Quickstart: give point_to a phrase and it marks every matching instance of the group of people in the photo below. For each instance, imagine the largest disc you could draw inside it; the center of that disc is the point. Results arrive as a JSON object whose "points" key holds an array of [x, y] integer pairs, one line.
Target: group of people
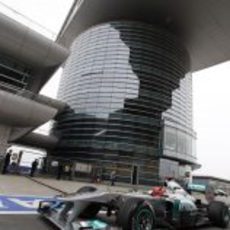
{"points": [[64, 170]]}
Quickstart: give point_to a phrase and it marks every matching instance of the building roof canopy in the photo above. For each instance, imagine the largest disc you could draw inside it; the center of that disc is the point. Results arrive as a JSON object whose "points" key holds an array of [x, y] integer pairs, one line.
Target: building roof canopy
{"points": [[204, 25], [22, 44]]}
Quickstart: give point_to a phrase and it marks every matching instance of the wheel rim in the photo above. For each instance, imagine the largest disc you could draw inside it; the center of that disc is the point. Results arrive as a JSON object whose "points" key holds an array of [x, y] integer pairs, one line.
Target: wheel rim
{"points": [[144, 220]]}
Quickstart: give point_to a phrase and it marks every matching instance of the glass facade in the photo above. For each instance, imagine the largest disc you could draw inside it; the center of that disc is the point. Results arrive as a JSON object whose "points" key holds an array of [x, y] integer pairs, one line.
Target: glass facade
{"points": [[179, 137], [118, 81], [168, 168]]}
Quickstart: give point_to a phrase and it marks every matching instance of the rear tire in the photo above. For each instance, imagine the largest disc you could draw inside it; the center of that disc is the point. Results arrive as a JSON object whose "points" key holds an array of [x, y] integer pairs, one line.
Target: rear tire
{"points": [[136, 214], [218, 214]]}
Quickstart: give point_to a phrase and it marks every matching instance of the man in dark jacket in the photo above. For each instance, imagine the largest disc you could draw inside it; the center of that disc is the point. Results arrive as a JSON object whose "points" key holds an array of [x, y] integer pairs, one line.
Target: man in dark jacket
{"points": [[6, 162], [59, 170], [33, 167]]}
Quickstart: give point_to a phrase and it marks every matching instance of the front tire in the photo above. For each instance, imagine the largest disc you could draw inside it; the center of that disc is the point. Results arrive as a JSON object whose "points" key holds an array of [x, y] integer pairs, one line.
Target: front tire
{"points": [[218, 214], [136, 214]]}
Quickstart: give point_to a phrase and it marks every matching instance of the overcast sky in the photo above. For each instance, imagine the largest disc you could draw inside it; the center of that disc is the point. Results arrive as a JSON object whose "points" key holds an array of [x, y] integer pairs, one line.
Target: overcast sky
{"points": [[212, 119], [211, 90]]}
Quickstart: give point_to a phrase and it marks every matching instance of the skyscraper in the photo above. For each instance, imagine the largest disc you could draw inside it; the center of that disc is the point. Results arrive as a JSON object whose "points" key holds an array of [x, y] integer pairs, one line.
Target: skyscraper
{"points": [[125, 112]]}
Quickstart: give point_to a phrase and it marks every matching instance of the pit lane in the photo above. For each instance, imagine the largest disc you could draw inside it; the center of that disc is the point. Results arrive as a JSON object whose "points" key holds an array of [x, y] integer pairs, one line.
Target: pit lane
{"points": [[18, 186]]}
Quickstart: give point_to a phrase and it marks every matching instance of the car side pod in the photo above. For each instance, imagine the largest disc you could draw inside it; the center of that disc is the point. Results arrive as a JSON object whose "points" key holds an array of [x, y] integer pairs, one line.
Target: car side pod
{"points": [[218, 213], [136, 214]]}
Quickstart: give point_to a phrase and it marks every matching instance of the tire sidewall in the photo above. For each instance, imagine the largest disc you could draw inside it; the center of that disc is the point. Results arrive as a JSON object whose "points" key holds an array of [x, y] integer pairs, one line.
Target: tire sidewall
{"points": [[143, 207], [218, 213], [129, 211], [225, 216]]}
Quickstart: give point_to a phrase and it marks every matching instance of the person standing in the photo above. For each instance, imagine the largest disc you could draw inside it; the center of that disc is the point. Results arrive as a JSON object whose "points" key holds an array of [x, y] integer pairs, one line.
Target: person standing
{"points": [[6, 162], [33, 167], [68, 171], [19, 161], [59, 170], [113, 178]]}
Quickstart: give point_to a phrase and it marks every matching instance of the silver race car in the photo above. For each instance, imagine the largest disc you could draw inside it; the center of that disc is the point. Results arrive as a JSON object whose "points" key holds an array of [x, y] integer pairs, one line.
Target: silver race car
{"points": [[168, 206]]}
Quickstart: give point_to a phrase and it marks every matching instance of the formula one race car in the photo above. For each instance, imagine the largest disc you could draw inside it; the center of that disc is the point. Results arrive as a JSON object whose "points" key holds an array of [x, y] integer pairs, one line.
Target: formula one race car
{"points": [[168, 207]]}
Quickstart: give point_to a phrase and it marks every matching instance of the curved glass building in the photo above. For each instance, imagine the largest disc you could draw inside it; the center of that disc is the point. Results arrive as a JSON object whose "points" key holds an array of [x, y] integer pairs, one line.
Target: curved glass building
{"points": [[179, 138], [119, 82]]}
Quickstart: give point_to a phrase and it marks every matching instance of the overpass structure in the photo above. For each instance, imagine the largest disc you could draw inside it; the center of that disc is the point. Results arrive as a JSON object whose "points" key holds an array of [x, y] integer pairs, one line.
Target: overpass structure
{"points": [[127, 83], [27, 61]]}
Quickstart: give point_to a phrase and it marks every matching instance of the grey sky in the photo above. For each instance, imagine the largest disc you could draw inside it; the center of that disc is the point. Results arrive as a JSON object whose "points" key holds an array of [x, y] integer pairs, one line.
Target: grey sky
{"points": [[48, 13], [212, 119], [211, 92]]}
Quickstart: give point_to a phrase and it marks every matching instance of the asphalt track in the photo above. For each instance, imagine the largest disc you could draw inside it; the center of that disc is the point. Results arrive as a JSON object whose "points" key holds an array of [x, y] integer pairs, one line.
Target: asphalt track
{"points": [[15, 187], [24, 222], [34, 222]]}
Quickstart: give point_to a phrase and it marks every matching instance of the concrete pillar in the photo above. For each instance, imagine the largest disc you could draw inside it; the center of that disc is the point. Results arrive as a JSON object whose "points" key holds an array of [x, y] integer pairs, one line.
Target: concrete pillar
{"points": [[4, 136]]}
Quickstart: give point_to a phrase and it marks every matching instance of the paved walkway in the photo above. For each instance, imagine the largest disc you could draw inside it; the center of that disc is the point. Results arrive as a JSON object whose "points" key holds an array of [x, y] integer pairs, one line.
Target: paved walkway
{"points": [[19, 185], [24, 222], [38, 186], [65, 186]]}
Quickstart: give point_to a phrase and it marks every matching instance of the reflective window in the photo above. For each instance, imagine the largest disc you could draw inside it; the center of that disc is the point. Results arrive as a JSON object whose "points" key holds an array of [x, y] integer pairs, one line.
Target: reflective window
{"points": [[168, 168], [179, 144], [122, 75]]}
